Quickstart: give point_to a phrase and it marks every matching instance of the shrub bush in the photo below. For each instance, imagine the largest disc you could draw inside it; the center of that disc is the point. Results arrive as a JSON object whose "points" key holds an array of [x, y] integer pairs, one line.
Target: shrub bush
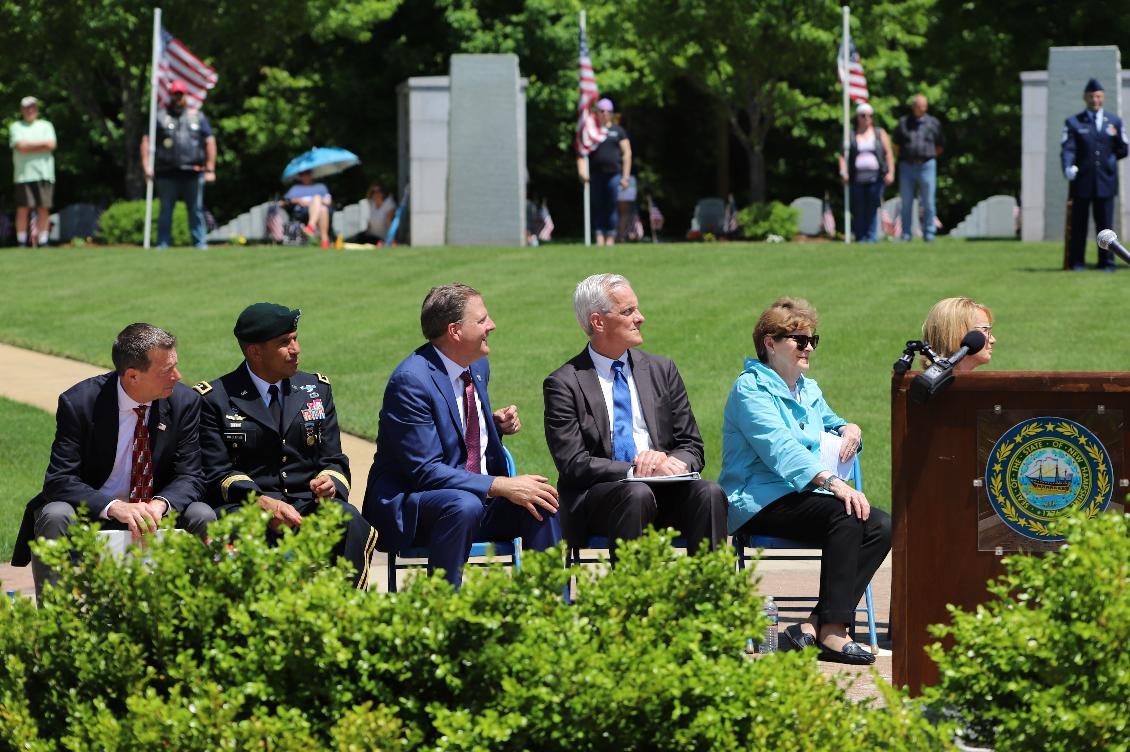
{"points": [[759, 221], [260, 647], [124, 223], [1045, 665]]}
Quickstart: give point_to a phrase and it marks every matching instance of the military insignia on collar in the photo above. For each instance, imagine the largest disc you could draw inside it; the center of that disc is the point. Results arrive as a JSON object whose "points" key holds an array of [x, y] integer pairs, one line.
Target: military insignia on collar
{"points": [[308, 388], [1044, 469], [236, 417], [202, 388], [322, 378]]}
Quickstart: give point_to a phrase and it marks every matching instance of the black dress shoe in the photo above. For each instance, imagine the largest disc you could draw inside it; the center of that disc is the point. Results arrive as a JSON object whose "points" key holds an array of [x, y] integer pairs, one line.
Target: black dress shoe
{"points": [[797, 638], [852, 653]]}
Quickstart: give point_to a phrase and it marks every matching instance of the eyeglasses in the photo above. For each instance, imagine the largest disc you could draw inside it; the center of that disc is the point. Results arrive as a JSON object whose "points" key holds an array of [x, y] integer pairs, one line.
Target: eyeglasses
{"points": [[802, 340], [987, 328]]}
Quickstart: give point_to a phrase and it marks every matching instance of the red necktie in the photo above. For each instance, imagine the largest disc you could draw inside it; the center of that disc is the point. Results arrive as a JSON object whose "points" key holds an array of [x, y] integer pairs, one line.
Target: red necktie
{"points": [[141, 469], [471, 421]]}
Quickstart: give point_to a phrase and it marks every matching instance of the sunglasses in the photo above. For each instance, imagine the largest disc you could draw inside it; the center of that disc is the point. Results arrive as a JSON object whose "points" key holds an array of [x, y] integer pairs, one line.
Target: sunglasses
{"points": [[802, 340]]}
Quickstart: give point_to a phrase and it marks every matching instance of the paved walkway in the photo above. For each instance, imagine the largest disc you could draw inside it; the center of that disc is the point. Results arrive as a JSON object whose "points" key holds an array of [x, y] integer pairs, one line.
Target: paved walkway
{"points": [[37, 379]]}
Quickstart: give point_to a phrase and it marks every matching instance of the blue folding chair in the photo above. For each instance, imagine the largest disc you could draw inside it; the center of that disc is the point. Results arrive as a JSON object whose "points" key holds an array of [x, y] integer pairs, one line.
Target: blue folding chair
{"points": [[770, 543], [573, 555], [511, 547]]}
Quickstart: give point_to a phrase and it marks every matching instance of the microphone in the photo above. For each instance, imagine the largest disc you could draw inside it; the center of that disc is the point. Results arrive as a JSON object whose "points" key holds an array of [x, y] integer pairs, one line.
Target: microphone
{"points": [[1108, 241], [938, 376]]}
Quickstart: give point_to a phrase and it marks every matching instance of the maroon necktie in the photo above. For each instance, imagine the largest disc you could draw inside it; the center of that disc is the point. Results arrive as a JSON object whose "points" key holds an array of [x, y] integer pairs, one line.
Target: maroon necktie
{"points": [[471, 421], [141, 468]]}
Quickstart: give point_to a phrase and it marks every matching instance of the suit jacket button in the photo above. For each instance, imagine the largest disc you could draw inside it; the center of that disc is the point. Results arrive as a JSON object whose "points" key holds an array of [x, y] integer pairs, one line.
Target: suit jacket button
{"points": [[284, 475], [284, 441]]}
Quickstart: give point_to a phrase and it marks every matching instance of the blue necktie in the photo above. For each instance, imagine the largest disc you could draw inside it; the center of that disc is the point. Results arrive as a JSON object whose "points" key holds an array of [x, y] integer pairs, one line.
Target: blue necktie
{"points": [[623, 445]]}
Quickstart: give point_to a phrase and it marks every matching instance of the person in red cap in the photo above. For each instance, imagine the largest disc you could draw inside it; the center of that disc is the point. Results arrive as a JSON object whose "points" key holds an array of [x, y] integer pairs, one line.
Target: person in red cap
{"points": [[186, 160]]}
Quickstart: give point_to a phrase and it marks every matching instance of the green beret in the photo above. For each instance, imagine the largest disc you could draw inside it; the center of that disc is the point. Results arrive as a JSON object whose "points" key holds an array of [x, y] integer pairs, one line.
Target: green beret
{"points": [[265, 321]]}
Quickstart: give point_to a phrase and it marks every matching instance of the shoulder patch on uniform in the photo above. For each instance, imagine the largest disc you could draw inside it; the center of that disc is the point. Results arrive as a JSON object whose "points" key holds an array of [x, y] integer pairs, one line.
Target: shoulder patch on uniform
{"points": [[321, 378], [202, 388]]}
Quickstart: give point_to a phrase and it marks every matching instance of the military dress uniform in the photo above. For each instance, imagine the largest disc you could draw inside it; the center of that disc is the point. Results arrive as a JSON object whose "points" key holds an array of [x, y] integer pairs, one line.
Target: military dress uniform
{"points": [[247, 454], [1093, 148]]}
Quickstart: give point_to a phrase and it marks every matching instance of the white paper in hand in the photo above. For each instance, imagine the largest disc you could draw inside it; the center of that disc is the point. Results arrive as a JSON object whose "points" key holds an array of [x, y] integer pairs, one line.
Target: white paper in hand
{"points": [[830, 445]]}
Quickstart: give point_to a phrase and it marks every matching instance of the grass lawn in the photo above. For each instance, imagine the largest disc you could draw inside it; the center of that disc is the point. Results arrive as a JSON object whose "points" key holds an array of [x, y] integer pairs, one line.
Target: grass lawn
{"points": [[25, 447], [361, 316]]}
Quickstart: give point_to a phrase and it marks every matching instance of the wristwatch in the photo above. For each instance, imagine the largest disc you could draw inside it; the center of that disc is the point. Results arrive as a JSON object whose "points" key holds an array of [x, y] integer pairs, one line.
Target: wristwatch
{"points": [[827, 484]]}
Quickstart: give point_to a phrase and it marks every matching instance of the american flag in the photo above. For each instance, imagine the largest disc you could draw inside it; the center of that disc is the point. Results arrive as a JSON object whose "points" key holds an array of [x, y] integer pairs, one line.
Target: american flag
{"points": [[855, 80], [829, 218], [730, 226], [654, 216], [177, 63], [590, 133], [545, 232]]}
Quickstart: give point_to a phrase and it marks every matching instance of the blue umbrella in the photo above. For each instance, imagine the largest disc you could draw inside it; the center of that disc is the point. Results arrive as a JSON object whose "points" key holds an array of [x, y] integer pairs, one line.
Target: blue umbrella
{"points": [[321, 161]]}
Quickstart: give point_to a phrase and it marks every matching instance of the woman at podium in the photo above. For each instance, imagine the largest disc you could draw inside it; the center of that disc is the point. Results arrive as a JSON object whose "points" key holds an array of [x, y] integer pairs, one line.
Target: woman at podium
{"points": [[949, 321], [778, 485]]}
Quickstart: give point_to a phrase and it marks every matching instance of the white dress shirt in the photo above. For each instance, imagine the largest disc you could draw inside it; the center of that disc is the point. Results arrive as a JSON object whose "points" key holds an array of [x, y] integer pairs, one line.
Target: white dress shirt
{"points": [[455, 373], [604, 375], [117, 484], [263, 386]]}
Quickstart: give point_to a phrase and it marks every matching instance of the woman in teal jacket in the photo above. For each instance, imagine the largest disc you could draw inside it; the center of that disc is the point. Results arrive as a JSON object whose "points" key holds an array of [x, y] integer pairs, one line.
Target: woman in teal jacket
{"points": [[776, 484]]}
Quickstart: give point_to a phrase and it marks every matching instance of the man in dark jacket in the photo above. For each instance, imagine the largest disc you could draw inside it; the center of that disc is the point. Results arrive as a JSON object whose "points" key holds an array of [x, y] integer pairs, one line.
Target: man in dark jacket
{"points": [[1092, 143], [126, 449], [269, 435]]}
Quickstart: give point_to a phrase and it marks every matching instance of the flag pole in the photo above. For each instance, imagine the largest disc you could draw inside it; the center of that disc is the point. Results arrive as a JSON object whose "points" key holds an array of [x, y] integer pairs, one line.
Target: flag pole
{"points": [[152, 124], [846, 151], [588, 182]]}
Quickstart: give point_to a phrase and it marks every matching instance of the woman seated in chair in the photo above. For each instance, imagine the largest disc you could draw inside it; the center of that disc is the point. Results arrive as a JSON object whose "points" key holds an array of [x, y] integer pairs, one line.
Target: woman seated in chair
{"points": [[777, 485], [311, 203], [949, 321]]}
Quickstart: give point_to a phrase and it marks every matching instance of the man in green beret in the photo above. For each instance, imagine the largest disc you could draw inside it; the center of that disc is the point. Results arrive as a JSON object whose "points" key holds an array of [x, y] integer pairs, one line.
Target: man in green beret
{"points": [[269, 435]]}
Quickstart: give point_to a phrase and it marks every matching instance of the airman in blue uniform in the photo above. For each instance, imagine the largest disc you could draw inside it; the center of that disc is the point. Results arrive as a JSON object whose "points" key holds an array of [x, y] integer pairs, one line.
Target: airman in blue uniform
{"points": [[1092, 143]]}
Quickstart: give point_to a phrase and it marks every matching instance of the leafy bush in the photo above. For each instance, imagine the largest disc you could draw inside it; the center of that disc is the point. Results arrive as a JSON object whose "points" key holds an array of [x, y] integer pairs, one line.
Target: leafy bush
{"points": [[260, 647], [1045, 665], [124, 223], [759, 221]]}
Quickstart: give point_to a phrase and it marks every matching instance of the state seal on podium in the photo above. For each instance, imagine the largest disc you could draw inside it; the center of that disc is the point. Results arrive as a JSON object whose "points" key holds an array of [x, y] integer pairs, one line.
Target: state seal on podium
{"points": [[1046, 468]]}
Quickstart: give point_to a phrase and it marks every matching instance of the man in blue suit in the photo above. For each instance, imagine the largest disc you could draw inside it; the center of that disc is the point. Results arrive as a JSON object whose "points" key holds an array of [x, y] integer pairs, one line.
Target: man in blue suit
{"points": [[1092, 143], [439, 475]]}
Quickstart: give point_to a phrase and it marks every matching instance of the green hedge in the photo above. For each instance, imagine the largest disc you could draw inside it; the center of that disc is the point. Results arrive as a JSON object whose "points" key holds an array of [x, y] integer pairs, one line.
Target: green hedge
{"points": [[1046, 665], [259, 647], [123, 223], [759, 221]]}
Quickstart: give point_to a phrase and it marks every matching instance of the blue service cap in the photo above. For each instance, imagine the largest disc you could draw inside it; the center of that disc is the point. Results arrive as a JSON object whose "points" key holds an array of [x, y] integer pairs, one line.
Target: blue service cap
{"points": [[1093, 85]]}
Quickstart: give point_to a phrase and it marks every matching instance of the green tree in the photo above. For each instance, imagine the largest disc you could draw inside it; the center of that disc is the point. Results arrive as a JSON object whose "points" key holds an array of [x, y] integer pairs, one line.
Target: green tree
{"points": [[770, 64]]}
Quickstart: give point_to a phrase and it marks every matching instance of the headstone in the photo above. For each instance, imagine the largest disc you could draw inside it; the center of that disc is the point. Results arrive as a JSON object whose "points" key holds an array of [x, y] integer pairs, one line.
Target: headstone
{"points": [[486, 185], [1069, 68], [257, 229], [1000, 217], [76, 221], [811, 214]]}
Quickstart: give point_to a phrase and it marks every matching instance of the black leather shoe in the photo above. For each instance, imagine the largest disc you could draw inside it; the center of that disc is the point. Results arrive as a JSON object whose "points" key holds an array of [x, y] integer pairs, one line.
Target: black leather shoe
{"points": [[797, 638], [852, 653]]}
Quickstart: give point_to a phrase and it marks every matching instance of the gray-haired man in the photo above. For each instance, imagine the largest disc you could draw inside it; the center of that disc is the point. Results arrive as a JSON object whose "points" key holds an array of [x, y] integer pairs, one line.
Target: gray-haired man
{"points": [[126, 448], [616, 412]]}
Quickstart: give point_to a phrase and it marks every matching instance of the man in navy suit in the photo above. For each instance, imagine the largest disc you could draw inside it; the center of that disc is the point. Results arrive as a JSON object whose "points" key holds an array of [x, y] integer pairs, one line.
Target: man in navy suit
{"points": [[439, 475], [1092, 143], [96, 437]]}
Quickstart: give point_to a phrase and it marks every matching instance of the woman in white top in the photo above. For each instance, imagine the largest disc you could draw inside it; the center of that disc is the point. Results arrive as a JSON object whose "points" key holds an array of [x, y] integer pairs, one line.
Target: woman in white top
{"points": [[868, 170]]}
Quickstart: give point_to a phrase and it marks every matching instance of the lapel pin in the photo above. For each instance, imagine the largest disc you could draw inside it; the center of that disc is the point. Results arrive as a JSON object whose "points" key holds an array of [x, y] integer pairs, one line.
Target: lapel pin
{"points": [[160, 426], [243, 393]]}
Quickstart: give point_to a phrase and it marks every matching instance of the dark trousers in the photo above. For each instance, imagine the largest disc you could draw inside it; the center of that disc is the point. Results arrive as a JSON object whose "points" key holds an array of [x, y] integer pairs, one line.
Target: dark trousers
{"points": [[604, 188], [853, 549], [697, 509], [865, 200], [449, 521], [53, 519], [1103, 211], [356, 545]]}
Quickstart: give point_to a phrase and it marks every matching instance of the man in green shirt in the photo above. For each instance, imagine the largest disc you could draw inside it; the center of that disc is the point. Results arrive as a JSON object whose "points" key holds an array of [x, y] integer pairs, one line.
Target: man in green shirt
{"points": [[33, 143]]}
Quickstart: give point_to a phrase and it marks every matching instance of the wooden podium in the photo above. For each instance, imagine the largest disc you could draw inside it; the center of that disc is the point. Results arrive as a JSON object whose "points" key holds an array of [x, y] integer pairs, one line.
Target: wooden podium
{"points": [[943, 548]]}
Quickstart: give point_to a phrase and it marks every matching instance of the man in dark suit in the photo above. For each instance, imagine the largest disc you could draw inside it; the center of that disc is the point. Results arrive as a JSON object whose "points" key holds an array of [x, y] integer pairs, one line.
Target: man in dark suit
{"points": [[269, 435], [1092, 143], [616, 412], [439, 476], [126, 448]]}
